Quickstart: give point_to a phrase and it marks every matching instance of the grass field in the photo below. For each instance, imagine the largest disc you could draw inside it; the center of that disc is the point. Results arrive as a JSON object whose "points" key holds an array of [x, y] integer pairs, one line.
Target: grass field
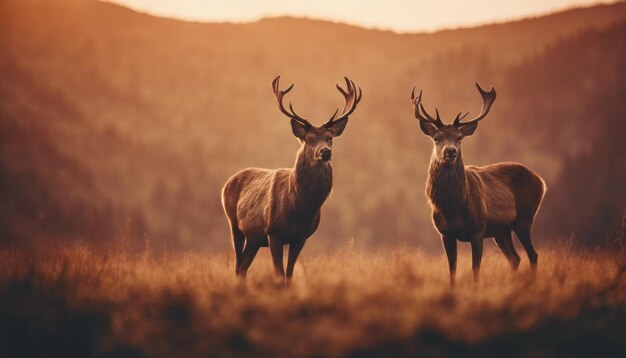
{"points": [[74, 301]]}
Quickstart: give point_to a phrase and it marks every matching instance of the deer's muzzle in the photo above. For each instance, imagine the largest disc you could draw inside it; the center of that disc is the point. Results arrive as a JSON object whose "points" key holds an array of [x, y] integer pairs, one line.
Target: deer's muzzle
{"points": [[326, 153], [450, 153]]}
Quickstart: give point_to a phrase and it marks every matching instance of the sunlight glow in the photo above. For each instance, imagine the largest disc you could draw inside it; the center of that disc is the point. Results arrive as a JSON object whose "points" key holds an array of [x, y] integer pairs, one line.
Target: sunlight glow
{"points": [[402, 16]]}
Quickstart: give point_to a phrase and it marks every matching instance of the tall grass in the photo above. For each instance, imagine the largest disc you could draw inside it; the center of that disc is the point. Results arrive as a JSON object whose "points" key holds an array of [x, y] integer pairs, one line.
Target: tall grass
{"points": [[75, 300]]}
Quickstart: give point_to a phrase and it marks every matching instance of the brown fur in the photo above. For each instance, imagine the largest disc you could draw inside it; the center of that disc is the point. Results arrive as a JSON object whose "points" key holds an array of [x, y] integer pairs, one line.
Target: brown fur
{"points": [[490, 199], [262, 202], [472, 203], [282, 207], [283, 204]]}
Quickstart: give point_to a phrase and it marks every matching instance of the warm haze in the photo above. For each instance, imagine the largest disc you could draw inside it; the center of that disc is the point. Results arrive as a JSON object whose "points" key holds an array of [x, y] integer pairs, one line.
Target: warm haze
{"points": [[397, 15], [133, 124], [119, 129]]}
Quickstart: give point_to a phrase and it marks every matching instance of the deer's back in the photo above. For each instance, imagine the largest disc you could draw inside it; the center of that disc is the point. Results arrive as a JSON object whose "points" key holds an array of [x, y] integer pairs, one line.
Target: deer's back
{"points": [[510, 191]]}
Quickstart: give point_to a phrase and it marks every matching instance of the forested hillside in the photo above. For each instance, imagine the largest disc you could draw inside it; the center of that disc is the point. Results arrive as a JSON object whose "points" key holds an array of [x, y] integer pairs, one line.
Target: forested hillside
{"points": [[118, 126]]}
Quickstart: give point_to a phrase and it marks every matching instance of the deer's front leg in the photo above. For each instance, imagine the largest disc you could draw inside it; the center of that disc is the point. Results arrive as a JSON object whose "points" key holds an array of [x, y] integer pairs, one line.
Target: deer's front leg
{"points": [[276, 250], [294, 251], [477, 254], [449, 244]]}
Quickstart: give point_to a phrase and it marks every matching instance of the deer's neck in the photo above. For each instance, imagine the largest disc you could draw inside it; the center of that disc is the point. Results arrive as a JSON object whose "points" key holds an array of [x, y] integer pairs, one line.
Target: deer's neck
{"points": [[309, 184], [446, 186]]}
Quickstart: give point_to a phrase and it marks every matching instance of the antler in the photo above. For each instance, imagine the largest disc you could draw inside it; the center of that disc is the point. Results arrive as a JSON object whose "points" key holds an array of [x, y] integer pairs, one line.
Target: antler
{"points": [[352, 96], [420, 111], [279, 94], [488, 99]]}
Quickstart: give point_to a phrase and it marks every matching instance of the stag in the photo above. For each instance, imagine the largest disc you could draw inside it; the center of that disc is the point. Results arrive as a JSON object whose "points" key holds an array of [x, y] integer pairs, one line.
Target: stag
{"points": [[471, 203], [282, 207]]}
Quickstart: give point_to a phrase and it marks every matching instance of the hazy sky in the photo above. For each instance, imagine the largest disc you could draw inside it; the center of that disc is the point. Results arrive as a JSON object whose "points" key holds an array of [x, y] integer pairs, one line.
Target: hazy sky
{"points": [[399, 15]]}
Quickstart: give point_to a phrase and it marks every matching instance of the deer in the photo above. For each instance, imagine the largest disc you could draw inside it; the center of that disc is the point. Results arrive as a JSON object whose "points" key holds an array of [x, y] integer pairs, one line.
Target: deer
{"points": [[273, 208], [471, 203]]}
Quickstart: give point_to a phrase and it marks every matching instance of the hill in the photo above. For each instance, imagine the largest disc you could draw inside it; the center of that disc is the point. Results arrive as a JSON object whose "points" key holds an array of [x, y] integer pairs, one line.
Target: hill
{"points": [[114, 123]]}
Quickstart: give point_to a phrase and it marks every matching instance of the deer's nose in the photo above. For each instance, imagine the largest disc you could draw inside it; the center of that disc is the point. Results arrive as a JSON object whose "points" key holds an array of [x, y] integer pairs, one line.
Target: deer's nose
{"points": [[449, 152], [326, 153]]}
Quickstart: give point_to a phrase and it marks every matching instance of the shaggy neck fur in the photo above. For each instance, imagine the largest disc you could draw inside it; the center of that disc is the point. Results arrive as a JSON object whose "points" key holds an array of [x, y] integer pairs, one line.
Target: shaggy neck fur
{"points": [[310, 184], [446, 186]]}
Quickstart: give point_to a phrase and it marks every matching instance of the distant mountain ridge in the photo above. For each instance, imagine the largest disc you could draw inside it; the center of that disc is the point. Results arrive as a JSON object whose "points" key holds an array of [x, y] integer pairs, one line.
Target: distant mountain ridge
{"points": [[115, 123]]}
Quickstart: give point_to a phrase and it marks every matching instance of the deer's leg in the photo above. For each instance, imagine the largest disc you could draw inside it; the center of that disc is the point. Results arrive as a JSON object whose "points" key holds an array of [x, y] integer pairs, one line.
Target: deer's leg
{"points": [[294, 251], [505, 243], [238, 242], [523, 233], [248, 254], [477, 255], [449, 244], [276, 250]]}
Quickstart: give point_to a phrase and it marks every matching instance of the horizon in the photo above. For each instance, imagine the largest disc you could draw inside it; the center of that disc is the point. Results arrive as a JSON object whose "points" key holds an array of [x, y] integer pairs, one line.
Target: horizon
{"points": [[377, 14]]}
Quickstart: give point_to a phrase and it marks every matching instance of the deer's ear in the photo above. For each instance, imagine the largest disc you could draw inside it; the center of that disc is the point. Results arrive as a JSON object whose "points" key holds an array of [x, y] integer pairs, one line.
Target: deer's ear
{"points": [[468, 129], [428, 128], [337, 127], [298, 129]]}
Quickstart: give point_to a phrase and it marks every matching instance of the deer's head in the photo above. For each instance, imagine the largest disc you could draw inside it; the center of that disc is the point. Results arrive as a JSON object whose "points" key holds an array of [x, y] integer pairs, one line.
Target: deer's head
{"points": [[317, 142], [447, 137]]}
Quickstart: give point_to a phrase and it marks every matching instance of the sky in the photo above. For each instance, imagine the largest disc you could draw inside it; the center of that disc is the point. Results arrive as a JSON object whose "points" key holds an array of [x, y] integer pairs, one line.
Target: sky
{"points": [[395, 15]]}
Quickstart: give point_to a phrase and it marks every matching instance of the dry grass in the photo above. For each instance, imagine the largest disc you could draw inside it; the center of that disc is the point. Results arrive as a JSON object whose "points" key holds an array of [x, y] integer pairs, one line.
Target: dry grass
{"points": [[74, 300]]}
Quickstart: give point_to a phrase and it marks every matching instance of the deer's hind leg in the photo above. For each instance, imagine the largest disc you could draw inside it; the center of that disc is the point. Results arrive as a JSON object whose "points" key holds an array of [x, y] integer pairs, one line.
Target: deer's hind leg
{"points": [[238, 242], [523, 231], [248, 254], [505, 243]]}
